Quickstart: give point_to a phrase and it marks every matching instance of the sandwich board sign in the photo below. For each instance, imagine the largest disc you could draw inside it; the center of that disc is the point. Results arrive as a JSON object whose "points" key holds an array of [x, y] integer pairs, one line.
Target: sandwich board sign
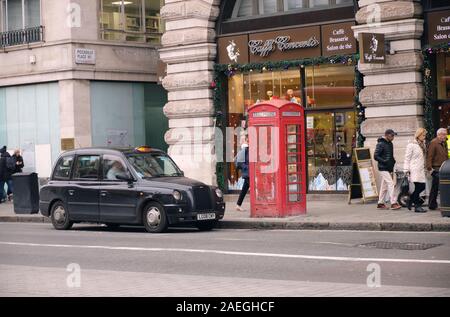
{"points": [[364, 186]]}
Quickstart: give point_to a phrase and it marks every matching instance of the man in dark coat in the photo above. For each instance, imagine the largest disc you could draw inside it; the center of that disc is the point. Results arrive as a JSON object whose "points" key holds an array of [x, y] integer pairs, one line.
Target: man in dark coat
{"points": [[437, 154], [4, 173], [384, 155]]}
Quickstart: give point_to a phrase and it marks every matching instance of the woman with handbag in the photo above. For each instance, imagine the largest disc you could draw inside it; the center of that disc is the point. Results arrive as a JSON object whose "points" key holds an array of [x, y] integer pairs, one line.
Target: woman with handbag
{"points": [[415, 165]]}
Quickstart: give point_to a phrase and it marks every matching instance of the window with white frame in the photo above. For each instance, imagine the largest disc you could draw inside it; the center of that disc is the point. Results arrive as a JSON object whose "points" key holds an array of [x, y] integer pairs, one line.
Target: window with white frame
{"points": [[19, 14], [131, 20]]}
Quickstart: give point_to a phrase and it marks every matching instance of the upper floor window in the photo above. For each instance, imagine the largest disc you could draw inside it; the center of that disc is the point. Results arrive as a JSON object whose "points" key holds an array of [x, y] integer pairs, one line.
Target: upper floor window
{"points": [[131, 20], [245, 8], [19, 14]]}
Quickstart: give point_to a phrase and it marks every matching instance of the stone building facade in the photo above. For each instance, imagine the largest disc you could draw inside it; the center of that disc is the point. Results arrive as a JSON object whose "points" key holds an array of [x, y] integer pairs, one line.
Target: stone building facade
{"points": [[393, 92]]}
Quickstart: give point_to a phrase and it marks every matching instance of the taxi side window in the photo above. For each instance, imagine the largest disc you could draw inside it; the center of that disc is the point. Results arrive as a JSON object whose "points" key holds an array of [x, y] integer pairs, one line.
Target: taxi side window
{"points": [[62, 169], [114, 166], [87, 167]]}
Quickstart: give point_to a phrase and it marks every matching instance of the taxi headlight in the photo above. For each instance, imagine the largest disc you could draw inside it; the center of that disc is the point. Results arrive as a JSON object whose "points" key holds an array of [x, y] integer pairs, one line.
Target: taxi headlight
{"points": [[219, 193], [177, 195]]}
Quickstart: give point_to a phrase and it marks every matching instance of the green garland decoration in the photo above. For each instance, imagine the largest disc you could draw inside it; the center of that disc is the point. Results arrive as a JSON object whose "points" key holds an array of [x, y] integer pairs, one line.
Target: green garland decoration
{"points": [[427, 73], [223, 71]]}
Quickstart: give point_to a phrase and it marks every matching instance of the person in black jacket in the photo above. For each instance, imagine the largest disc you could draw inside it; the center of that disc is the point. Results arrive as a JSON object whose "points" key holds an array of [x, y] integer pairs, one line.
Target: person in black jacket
{"points": [[242, 163], [5, 174], [384, 155], [18, 159]]}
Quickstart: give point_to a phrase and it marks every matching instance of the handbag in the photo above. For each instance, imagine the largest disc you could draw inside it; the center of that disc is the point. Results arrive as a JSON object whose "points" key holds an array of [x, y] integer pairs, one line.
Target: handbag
{"points": [[404, 186]]}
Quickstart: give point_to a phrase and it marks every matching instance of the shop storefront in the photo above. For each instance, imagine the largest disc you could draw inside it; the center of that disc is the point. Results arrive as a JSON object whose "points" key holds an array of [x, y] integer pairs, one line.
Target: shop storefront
{"points": [[312, 66], [437, 70]]}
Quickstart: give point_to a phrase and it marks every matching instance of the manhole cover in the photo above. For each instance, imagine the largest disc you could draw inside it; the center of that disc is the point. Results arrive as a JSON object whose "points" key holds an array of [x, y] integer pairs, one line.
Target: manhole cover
{"points": [[398, 245]]}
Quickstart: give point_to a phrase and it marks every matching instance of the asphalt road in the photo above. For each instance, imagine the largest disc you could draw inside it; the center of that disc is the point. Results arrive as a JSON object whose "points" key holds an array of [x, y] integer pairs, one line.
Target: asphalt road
{"points": [[35, 260]]}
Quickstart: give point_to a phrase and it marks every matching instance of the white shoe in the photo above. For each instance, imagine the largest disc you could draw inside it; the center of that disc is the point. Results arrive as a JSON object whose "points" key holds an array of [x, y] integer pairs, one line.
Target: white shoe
{"points": [[239, 208]]}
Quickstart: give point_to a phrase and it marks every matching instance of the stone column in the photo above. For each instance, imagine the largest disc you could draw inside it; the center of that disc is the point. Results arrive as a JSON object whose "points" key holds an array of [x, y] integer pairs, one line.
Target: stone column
{"points": [[393, 93], [75, 111], [189, 50]]}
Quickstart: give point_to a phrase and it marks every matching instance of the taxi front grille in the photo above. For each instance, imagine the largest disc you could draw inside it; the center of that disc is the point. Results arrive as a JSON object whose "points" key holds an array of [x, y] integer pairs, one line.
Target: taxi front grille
{"points": [[202, 198]]}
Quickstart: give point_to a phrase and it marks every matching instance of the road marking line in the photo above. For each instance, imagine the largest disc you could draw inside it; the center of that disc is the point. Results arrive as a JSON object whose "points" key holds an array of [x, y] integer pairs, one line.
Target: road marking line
{"points": [[273, 255]]}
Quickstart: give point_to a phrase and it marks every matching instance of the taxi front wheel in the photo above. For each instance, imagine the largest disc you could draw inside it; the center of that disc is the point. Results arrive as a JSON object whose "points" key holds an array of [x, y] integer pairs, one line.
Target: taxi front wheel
{"points": [[154, 218], [60, 216]]}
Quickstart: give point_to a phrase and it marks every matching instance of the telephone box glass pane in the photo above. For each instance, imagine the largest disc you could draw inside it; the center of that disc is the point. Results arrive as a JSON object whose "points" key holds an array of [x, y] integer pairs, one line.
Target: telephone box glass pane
{"points": [[292, 148], [292, 129], [293, 178], [293, 197], [292, 158], [266, 165], [293, 188], [292, 138]]}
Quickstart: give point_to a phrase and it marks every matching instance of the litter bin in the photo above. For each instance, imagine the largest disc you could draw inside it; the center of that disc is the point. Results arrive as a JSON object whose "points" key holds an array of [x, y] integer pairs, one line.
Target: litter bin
{"points": [[444, 188], [26, 193]]}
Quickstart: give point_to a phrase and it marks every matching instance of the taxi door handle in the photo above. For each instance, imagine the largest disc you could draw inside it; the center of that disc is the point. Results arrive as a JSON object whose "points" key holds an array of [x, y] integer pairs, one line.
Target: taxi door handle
{"points": [[71, 192], [103, 193]]}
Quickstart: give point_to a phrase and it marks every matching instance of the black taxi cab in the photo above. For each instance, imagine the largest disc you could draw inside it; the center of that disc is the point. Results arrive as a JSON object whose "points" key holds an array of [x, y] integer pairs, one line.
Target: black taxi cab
{"points": [[132, 186]]}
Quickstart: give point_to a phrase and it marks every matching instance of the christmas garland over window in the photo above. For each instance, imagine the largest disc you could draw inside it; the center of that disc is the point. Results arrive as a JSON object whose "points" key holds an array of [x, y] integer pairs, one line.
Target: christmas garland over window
{"points": [[224, 71], [427, 72]]}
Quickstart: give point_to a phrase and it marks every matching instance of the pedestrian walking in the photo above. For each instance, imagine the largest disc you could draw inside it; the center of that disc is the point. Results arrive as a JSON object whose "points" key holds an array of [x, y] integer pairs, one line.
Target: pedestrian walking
{"points": [[242, 163], [8, 168], [437, 154], [384, 155], [414, 165]]}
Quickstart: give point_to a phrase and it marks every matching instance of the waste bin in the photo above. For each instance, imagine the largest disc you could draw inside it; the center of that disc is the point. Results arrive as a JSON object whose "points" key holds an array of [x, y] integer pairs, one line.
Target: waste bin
{"points": [[444, 188], [26, 193]]}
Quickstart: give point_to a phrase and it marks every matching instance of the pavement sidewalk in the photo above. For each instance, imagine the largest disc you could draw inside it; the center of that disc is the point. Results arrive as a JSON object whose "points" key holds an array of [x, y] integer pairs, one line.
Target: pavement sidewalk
{"points": [[322, 215]]}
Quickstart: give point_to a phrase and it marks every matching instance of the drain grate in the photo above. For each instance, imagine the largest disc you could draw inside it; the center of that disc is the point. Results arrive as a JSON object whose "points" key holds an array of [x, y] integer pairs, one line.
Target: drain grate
{"points": [[398, 245]]}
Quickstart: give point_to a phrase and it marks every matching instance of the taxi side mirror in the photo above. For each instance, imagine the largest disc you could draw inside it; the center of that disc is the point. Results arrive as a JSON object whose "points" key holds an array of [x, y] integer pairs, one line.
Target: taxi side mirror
{"points": [[128, 178], [182, 173]]}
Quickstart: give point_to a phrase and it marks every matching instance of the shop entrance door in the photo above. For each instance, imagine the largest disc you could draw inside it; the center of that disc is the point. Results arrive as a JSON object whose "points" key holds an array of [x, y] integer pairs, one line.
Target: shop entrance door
{"points": [[331, 136]]}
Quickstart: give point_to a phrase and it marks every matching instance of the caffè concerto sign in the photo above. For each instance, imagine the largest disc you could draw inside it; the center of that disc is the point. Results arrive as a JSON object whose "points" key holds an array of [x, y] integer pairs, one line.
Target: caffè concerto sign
{"points": [[290, 44]]}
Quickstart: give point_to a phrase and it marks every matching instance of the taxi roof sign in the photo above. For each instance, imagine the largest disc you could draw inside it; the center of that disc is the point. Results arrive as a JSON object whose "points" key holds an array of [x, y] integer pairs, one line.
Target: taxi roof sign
{"points": [[143, 149]]}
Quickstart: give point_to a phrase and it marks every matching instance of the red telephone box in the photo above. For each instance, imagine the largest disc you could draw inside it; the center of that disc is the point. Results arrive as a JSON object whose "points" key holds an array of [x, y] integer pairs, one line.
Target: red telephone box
{"points": [[277, 159]]}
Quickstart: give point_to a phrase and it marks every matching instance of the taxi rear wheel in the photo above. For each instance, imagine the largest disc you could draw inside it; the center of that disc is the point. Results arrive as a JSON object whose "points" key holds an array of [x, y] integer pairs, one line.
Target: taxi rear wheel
{"points": [[154, 218], [206, 225], [60, 216]]}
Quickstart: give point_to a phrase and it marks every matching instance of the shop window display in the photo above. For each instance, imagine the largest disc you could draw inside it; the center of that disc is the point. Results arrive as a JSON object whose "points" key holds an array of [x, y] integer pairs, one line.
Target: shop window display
{"points": [[443, 75], [331, 123]]}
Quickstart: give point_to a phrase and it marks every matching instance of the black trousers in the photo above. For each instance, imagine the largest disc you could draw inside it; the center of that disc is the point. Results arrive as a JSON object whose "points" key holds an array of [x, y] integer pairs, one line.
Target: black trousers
{"points": [[418, 188], [432, 200], [244, 191]]}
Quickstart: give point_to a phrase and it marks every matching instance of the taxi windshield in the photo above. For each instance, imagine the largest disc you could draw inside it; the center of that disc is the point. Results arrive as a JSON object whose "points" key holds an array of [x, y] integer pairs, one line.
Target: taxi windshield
{"points": [[153, 165]]}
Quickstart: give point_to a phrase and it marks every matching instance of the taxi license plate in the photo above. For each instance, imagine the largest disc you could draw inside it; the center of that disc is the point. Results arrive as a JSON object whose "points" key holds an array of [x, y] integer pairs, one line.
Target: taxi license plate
{"points": [[207, 216]]}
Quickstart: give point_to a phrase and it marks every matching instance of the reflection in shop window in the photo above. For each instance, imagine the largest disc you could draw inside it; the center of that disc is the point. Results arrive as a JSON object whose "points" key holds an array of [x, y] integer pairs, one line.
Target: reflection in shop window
{"points": [[329, 86], [331, 137], [131, 20], [267, 6], [443, 75], [294, 4]]}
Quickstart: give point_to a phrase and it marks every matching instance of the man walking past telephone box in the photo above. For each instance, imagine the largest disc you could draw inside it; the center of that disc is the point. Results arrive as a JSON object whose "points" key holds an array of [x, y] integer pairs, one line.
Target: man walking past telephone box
{"points": [[384, 155]]}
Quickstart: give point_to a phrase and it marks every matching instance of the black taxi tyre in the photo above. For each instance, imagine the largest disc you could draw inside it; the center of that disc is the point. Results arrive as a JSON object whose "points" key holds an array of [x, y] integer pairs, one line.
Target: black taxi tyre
{"points": [[206, 225], [154, 218], [60, 216]]}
